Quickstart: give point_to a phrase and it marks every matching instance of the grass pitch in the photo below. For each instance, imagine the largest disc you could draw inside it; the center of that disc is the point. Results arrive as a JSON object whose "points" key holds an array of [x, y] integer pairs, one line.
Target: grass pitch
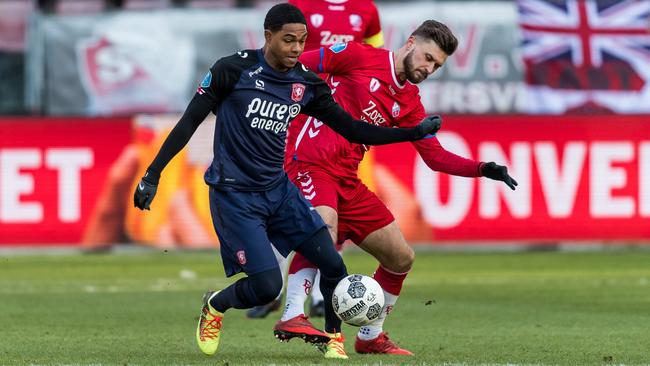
{"points": [[549, 308]]}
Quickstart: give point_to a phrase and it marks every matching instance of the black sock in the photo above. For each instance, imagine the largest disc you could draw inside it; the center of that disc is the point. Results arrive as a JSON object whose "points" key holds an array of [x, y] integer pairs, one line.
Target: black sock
{"points": [[256, 289]]}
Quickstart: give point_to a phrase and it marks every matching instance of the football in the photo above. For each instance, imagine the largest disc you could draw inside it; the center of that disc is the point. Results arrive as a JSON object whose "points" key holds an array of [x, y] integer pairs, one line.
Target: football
{"points": [[358, 300]]}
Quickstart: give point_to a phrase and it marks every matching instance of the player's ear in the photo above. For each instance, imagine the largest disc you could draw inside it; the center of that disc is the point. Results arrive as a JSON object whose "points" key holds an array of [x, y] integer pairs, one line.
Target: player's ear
{"points": [[267, 35], [410, 43]]}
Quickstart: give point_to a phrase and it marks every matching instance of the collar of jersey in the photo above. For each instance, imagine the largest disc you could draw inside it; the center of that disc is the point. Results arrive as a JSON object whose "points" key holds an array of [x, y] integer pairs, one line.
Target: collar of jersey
{"points": [[392, 72], [260, 55]]}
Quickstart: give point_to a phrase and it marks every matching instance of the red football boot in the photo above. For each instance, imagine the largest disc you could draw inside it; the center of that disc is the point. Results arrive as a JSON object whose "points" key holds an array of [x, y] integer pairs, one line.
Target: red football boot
{"points": [[300, 327], [380, 345]]}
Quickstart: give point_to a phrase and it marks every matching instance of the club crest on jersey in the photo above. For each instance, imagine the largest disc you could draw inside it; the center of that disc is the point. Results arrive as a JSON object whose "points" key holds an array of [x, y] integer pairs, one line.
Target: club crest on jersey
{"points": [[297, 91], [355, 22], [241, 257], [395, 110], [374, 85], [339, 47], [316, 20]]}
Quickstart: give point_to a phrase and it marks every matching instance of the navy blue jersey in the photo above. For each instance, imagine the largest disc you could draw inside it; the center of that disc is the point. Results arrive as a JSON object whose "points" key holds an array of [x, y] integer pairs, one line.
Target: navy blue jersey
{"points": [[254, 105]]}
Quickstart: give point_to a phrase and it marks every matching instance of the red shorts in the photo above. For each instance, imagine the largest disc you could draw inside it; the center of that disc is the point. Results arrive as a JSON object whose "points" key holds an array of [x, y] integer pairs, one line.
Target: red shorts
{"points": [[360, 211]]}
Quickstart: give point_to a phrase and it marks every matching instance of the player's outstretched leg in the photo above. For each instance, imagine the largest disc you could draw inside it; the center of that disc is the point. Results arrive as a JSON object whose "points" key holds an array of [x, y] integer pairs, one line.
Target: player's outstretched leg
{"points": [[320, 251]]}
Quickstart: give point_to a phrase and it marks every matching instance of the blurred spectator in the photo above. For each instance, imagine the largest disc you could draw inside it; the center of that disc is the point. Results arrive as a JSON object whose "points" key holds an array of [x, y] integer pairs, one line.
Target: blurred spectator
{"points": [[146, 4], [74, 7], [13, 23], [211, 4], [14, 15]]}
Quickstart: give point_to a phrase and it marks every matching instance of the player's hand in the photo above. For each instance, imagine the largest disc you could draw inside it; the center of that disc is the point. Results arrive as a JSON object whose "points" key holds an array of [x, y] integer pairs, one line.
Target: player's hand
{"points": [[145, 191], [498, 172], [428, 127]]}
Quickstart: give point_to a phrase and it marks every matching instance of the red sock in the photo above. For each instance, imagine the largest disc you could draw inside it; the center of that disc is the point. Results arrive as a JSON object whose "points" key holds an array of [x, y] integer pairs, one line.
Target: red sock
{"points": [[390, 282], [299, 262]]}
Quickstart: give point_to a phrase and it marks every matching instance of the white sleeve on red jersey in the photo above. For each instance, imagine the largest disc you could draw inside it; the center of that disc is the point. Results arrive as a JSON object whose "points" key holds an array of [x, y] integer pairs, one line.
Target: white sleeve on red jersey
{"points": [[337, 59]]}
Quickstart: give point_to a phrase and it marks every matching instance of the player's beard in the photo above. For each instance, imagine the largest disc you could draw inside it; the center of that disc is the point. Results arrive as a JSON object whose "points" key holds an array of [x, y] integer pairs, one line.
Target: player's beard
{"points": [[409, 70]]}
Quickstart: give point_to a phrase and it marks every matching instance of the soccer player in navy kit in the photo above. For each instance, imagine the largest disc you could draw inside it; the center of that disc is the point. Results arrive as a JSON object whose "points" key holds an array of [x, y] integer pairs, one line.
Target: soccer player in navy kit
{"points": [[255, 94]]}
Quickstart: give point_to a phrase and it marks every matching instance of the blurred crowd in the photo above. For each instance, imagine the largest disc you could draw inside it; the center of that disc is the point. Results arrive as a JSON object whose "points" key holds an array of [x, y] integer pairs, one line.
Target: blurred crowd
{"points": [[89, 6]]}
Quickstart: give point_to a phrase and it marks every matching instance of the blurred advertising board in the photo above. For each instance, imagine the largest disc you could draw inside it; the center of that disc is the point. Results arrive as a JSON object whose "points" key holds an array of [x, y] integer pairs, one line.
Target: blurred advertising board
{"points": [[70, 182], [51, 175], [580, 178]]}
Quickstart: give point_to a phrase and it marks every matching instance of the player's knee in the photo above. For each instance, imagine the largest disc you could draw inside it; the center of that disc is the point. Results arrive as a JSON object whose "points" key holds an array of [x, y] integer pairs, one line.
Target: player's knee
{"points": [[409, 258], [403, 262], [267, 286]]}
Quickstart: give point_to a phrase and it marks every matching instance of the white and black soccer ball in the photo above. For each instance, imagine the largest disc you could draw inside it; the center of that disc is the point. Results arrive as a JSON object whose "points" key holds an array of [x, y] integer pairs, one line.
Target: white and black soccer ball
{"points": [[358, 300]]}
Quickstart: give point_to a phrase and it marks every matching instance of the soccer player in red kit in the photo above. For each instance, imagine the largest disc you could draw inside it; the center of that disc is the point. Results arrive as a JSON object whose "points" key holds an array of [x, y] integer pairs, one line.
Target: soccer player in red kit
{"points": [[330, 22], [377, 86]]}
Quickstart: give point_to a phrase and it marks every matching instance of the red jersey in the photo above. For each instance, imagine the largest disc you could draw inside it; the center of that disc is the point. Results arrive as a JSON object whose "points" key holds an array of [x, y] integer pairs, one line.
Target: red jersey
{"points": [[364, 83], [338, 21]]}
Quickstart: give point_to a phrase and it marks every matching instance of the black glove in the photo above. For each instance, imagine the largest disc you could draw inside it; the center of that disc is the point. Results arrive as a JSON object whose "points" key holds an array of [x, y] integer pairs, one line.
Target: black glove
{"points": [[498, 172], [428, 127], [145, 191]]}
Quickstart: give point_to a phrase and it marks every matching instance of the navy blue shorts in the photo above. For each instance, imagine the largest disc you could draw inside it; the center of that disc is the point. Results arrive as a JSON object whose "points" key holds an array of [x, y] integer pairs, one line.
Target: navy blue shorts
{"points": [[248, 222]]}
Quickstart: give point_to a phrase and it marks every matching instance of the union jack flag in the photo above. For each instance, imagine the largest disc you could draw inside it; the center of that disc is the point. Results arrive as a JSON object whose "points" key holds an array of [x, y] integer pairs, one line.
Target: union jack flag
{"points": [[581, 53]]}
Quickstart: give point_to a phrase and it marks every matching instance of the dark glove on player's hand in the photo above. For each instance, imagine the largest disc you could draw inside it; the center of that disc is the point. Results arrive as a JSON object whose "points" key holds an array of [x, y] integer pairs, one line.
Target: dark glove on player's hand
{"points": [[498, 172], [428, 127], [145, 191]]}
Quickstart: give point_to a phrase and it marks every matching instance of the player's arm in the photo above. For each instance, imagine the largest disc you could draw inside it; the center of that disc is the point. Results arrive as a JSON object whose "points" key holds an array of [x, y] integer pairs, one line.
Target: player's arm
{"points": [[324, 108], [208, 96], [439, 159]]}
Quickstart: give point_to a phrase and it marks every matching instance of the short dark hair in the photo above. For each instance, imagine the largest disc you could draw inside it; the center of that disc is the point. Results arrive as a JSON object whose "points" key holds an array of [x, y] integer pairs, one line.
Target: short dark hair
{"points": [[439, 33], [282, 14]]}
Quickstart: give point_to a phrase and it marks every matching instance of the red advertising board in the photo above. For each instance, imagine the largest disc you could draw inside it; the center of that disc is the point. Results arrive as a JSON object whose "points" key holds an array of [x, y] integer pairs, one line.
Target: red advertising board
{"points": [[580, 178], [51, 172]]}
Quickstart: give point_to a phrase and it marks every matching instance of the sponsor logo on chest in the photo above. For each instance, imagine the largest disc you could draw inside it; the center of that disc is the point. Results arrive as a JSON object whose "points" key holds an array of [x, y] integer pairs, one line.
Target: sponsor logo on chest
{"points": [[271, 116], [372, 114], [328, 38]]}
